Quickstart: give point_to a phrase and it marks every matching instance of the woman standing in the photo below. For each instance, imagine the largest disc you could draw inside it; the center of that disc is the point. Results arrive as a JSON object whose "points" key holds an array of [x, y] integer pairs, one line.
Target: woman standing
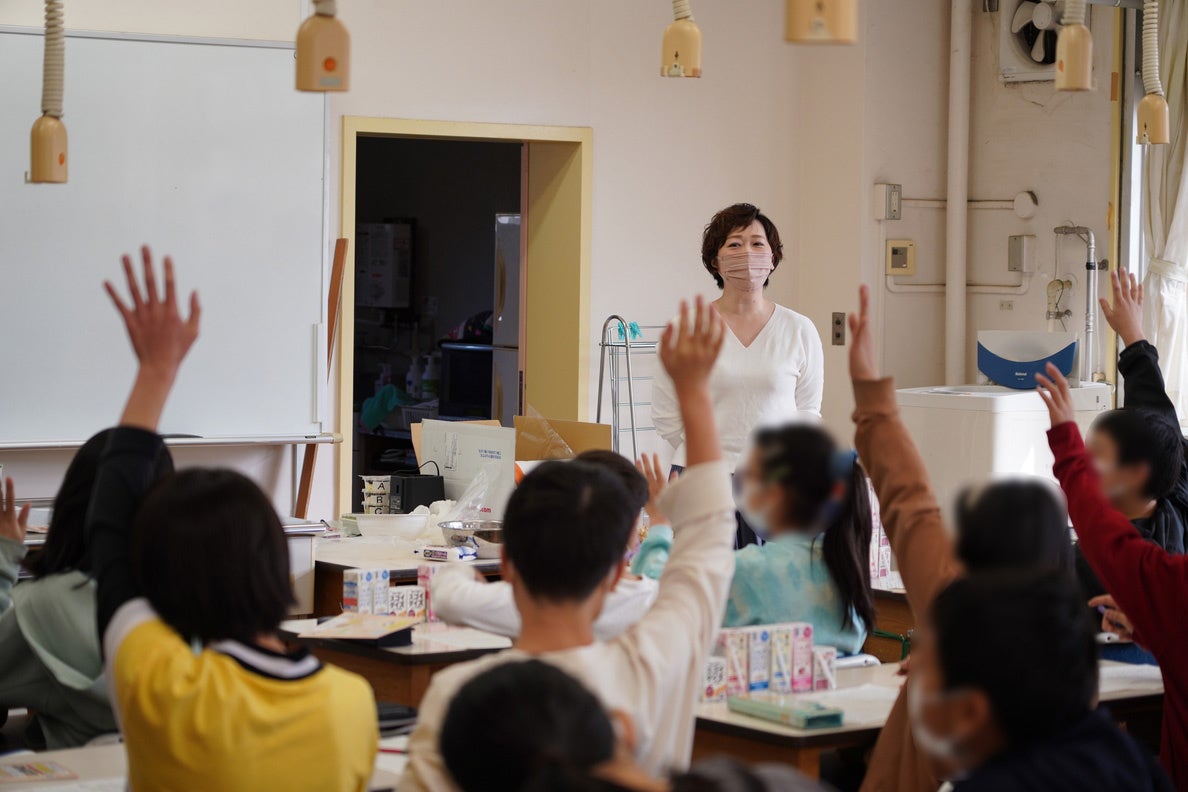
{"points": [[772, 367]]}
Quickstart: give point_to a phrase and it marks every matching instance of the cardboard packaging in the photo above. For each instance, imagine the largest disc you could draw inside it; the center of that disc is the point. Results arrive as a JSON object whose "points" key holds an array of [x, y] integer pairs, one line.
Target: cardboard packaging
{"points": [[781, 658], [802, 657], [407, 601], [759, 658], [824, 668], [733, 647], [714, 691], [425, 573]]}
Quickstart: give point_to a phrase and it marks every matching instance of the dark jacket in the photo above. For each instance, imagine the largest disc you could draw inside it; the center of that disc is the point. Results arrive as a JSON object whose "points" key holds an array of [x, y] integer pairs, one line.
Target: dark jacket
{"points": [[1093, 755], [1168, 526]]}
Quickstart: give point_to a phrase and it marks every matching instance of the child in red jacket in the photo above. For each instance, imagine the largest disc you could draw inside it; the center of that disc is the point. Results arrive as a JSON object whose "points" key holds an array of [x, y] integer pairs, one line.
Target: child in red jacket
{"points": [[1147, 582]]}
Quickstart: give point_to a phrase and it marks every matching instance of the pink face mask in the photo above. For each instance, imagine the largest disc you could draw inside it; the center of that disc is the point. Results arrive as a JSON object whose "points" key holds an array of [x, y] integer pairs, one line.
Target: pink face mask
{"points": [[746, 269]]}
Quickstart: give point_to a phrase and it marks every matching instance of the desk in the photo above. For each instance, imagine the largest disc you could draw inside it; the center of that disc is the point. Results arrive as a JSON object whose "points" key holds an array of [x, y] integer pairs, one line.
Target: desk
{"points": [[400, 674], [893, 616], [332, 556], [1131, 692], [104, 768]]}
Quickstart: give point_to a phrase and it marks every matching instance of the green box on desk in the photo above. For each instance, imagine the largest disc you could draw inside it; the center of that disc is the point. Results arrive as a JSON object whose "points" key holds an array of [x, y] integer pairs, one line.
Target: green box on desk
{"points": [[788, 710]]}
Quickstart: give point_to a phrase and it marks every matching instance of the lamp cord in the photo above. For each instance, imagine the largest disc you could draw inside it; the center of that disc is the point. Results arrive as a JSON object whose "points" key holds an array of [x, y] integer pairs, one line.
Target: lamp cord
{"points": [[1151, 80], [325, 7], [54, 64], [681, 10], [1074, 12]]}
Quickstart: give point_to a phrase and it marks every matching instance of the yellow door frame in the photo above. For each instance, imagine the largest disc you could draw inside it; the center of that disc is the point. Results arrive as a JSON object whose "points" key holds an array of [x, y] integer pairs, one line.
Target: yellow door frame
{"points": [[556, 308]]}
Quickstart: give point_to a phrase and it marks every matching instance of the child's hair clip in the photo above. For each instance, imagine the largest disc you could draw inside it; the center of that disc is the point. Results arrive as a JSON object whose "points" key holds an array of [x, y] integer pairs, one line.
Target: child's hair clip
{"points": [[842, 464]]}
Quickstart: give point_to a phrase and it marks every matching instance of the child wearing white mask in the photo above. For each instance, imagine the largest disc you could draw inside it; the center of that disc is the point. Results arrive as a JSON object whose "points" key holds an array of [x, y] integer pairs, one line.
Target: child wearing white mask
{"points": [[1021, 717], [809, 501]]}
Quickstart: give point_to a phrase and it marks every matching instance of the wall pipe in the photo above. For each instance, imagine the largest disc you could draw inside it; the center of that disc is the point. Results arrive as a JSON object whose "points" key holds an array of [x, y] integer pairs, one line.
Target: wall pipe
{"points": [[957, 198]]}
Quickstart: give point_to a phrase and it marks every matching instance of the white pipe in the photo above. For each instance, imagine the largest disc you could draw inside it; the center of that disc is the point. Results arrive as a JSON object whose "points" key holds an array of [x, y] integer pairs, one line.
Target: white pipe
{"points": [[54, 60], [1152, 83], [941, 203], [1074, 12], [896, 287], [956, 239], [681, 10]]}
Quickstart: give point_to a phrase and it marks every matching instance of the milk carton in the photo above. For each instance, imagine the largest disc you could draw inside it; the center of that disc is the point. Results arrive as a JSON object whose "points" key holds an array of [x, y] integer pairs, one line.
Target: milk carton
{"points": [[357, 591], [758, 658], [380, 583], [407, 601], [824, 668], [733, 646], [802, 657], [781, 658], [714, 690], [425, 573]]}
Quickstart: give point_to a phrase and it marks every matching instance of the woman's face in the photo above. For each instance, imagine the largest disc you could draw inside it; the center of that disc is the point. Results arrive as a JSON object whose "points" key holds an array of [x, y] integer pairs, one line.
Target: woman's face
{"points": [[745, 260]]}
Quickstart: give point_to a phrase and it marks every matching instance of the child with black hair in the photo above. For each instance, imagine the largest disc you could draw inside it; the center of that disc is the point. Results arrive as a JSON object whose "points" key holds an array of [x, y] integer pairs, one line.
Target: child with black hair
{"points": [[1001, 525], [565, 528], [1148, 583], [49, 648], [1021, 717], [193, 582], [528, 726], [809, 501], [461, 596]]}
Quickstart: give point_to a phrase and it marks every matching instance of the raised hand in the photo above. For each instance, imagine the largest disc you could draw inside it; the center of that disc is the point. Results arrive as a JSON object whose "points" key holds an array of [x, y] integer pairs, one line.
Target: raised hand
{"points": [[1054, 390], [862, 358], [657, 482], [159, 335], [1125, 315], [689, 347], [14, 522]]}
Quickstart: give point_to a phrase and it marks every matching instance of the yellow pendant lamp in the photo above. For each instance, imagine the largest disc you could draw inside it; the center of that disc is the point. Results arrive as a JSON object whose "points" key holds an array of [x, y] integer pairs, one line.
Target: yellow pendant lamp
{"points": [[821, 21], [47, 140], [1074, 50], [323, 51], [1154, 124], [680, 52]]}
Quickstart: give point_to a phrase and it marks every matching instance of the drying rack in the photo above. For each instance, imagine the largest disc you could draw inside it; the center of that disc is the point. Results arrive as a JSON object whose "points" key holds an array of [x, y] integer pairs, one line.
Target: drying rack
{"points": [[621, 340]]}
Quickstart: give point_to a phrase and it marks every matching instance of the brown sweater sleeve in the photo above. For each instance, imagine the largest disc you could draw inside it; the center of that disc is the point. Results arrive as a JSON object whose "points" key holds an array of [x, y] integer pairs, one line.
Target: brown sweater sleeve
{"points": [[909, 509]]}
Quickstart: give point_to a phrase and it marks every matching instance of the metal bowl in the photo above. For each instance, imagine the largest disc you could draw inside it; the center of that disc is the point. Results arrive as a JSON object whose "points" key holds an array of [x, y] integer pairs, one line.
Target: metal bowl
{"points": [[486, 536]]}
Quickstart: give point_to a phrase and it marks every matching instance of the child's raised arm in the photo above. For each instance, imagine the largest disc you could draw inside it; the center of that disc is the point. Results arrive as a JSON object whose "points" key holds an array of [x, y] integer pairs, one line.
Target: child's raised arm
{"points": [[688, 349]]}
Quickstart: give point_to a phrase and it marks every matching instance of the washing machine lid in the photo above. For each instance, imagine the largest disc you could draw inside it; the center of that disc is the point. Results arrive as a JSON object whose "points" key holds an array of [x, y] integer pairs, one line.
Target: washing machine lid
{"points": [[1012, 359]]}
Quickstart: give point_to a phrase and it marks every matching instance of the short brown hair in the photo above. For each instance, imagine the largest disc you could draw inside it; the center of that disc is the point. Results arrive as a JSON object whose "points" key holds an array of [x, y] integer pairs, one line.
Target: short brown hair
{"points": [[724, 223]]}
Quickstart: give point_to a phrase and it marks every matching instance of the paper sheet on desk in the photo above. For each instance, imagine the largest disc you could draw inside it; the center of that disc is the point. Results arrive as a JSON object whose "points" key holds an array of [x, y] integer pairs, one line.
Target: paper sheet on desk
{"points": [[461, 450], [1126, 676]]}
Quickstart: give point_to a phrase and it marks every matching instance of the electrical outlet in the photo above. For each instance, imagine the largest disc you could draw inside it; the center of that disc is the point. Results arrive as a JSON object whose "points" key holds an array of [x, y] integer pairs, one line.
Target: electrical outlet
{"points": [[1006, 305], [839, 329]]}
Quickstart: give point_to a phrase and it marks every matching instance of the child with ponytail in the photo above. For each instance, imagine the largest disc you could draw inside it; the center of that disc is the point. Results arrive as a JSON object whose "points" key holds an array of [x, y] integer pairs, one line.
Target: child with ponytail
{"points": [[809, 500]]}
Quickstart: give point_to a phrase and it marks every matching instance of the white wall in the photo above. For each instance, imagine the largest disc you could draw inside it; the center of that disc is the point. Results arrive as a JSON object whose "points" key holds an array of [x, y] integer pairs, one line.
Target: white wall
{"points": [[266, 20]]}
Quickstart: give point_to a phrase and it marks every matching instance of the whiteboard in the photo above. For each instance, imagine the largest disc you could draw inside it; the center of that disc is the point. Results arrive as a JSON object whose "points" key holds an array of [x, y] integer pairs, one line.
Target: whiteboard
{"points": [[204, 151]]}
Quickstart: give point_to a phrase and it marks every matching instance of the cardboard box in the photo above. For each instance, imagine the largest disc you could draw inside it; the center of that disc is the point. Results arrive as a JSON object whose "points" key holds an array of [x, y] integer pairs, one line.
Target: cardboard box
{"points": [[714, 690], [547, 438], [802, 657], [733, 647], [357, 594], [425, 573], [407, 601], [781, 658], [824, 668], [758, 658]]}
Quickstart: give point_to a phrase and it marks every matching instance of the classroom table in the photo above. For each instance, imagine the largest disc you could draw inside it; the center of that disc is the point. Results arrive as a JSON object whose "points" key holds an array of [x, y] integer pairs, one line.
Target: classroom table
{"points": [[894, 622], [867, 695], [400, 674], [104, 768], [332, 556]]}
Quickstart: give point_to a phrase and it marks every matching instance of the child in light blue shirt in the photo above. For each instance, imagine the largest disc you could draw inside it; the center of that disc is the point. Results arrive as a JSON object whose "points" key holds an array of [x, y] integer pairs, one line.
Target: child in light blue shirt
{"points": [[809, 500]]}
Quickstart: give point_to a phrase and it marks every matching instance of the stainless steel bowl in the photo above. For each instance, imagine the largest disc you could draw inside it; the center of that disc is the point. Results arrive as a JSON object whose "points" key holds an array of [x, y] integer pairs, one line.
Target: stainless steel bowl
{"points": [[486, 536]]}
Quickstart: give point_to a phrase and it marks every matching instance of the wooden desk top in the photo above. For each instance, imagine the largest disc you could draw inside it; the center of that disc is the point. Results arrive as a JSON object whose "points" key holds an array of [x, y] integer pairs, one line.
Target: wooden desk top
{"points": [[105, 767], [433, 644], [370, 552], [867, 695]]}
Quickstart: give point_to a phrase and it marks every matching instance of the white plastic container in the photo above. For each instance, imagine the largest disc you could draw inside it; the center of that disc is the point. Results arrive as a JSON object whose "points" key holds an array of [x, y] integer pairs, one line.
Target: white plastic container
{"points": [[400, 526]]}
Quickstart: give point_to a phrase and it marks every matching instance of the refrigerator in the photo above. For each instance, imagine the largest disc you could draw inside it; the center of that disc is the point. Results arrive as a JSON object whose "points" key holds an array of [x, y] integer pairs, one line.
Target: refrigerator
{"points": [[507, 380]]}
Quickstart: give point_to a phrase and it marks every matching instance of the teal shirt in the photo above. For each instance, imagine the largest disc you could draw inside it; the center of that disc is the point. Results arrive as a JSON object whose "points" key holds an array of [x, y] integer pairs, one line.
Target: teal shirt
{"points": [[786, 580]]}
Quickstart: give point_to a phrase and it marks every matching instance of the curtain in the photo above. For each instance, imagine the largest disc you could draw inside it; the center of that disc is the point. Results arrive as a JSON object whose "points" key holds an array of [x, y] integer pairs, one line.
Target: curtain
{"points": [[1165, 213]]}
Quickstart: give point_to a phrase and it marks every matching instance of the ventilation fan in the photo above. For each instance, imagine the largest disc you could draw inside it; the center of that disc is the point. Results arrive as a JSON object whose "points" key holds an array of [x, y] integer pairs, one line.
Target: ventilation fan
{"points": [[1027, 39]]}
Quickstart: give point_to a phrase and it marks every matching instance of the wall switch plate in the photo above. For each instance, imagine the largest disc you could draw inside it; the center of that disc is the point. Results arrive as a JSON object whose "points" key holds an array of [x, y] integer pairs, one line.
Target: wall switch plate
{"points": [[888, 202], [1021, 253], [901, 257], [839, 329]]}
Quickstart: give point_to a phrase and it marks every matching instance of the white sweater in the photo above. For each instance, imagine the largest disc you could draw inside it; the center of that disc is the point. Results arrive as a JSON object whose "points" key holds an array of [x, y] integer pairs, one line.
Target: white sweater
{"points": [[655, 670], [459, 598], [777, 379]]}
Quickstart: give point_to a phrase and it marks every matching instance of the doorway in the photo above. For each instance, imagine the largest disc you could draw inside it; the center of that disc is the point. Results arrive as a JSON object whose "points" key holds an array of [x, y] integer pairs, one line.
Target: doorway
{"points": [[470, 170]]}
